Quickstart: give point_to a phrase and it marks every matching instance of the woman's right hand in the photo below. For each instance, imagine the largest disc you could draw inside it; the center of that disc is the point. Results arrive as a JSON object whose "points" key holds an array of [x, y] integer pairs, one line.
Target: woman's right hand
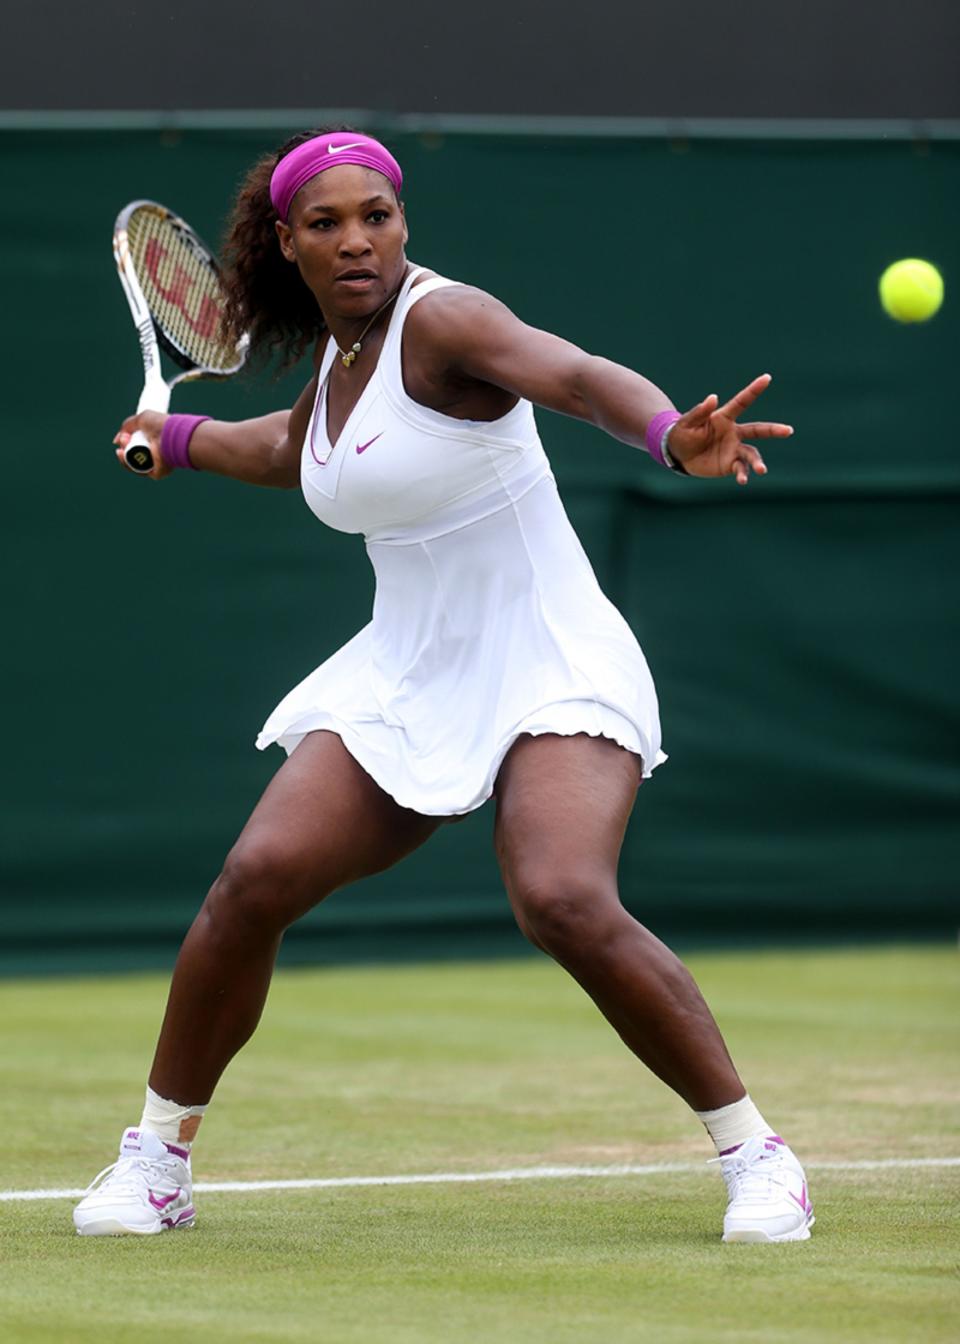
{"points": [[150, 423]]}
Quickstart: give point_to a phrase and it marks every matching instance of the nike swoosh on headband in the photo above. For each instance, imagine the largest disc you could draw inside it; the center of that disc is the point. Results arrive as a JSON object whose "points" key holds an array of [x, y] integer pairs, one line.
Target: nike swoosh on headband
{"points": [[338, 149]]}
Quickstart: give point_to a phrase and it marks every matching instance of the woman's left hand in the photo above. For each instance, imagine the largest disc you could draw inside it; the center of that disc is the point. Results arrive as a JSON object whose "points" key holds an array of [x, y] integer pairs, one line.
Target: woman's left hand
{"points": [[707, 441]]}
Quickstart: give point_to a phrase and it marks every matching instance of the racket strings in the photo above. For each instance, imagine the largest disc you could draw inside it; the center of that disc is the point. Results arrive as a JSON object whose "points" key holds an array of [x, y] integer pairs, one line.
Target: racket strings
{"points": [[181, 286]]}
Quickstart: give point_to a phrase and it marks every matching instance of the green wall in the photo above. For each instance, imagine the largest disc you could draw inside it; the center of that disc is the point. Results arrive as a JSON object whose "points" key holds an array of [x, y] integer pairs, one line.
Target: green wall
{"points": [[803, 632]]}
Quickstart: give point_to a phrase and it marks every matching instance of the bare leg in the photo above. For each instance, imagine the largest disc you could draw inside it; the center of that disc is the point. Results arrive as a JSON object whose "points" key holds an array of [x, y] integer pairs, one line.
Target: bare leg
{"points": [[321, 823], [562, 810]]}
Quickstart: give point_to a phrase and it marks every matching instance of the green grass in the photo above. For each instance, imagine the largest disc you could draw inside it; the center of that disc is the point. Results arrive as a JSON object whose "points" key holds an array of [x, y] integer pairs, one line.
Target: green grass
{"points": [[475, 1067]]}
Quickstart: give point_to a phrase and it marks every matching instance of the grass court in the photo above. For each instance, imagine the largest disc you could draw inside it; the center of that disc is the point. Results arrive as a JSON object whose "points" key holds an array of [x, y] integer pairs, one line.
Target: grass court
{"points": [[481, 1067]]}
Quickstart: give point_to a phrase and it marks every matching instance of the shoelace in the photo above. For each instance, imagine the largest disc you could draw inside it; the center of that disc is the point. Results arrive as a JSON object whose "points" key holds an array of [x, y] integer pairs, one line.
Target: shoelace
{"points": [[137, 1172], [746, 1177]]}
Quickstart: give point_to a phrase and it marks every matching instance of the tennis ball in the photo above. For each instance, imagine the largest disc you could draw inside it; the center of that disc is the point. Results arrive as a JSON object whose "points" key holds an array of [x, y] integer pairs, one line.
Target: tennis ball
{"points": [[911, 290]]}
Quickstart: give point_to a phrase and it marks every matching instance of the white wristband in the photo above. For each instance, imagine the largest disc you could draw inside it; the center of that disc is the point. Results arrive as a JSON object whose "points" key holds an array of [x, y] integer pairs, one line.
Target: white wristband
{"points": [[671, 462]]}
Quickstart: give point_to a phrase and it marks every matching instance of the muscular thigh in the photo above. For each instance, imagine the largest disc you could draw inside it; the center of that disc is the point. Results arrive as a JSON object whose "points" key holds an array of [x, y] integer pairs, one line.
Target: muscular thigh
{"points": [[563, 804], [323, 822]]}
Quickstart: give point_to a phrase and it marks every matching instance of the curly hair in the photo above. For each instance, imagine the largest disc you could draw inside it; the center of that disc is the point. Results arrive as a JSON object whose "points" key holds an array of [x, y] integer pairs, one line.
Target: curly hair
{"points": [[265, 294]]}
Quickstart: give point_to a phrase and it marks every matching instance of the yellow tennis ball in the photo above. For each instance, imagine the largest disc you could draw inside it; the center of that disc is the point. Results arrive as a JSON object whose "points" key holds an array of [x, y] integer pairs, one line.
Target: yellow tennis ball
{"points": [[911, 290]]}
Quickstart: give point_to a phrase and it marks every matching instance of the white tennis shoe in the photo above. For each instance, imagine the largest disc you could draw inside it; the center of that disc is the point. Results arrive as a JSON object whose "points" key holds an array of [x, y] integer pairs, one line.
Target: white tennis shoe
{"points": [[768, 1193], [147, 1190]]}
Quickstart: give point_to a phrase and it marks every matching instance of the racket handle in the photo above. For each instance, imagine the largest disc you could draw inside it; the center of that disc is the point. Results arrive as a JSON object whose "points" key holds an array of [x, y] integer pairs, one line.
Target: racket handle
{"points": [[137, 454], [154, 397]]}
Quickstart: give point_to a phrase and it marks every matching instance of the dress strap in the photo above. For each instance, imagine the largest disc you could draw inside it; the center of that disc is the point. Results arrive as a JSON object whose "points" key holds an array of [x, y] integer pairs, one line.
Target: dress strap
{"points": [[326, 360], [514, 432], [428, 286], [405, 287], [407, 298]]}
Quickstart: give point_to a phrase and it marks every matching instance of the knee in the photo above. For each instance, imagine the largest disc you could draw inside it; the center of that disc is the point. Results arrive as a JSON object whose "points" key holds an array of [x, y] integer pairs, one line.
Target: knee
{"points": [[565, 913], [258, 890]]}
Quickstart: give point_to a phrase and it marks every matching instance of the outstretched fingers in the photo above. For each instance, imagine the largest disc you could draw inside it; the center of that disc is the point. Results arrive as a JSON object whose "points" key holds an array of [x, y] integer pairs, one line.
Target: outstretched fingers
{"points": [[709, 440], [701, 413], [745, 397], [748, 459], [765, 429]]}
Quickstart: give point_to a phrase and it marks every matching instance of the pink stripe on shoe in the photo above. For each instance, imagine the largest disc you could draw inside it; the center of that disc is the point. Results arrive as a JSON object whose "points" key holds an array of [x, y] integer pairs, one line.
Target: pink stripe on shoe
{"points": [[161, 1204], [183, 1216], [803, 1201]]}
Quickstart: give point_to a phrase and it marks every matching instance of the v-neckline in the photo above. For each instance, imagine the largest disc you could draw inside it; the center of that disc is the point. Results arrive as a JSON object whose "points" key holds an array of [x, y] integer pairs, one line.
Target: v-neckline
{"points": [[323, 408]]}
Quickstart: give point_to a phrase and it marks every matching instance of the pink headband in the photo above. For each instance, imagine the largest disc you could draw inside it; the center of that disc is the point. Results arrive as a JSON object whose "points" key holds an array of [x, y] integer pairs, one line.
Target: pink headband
{"points": [[327, 151]]}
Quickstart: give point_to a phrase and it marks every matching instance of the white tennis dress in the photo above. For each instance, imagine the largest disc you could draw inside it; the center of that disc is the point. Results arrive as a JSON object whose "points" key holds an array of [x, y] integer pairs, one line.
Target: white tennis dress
{"points": [[488, 620]]}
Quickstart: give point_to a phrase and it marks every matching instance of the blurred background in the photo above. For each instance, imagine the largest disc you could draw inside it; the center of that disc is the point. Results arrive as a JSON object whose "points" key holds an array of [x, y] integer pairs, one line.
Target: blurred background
{"points": [[701, 192]]}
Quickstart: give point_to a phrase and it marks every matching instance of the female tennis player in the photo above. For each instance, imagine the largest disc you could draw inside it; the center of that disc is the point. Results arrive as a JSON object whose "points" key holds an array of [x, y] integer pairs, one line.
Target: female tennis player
{"points": [[493, 665]]}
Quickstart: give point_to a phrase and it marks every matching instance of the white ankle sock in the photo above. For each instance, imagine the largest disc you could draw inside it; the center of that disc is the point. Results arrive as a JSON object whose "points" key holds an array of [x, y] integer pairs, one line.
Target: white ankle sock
{"points": [[729, 1126], [171, 1121]]}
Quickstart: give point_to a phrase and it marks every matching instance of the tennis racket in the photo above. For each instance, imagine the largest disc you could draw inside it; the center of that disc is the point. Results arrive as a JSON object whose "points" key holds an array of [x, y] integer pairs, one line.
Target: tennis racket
{"points": [[172, 283]]}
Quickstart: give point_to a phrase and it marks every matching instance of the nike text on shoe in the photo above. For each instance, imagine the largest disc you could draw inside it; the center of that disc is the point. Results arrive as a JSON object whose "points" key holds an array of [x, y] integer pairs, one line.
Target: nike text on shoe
{"points": [[768, 1192], [147, 1190]]}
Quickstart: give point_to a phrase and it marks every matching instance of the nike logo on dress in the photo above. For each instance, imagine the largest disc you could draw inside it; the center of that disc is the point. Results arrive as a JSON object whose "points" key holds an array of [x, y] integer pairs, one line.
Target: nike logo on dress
{"points": [[362, 447], [338, 149]]}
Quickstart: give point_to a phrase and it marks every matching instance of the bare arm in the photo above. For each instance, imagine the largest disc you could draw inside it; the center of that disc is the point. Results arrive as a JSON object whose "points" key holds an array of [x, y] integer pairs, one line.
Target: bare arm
{"points": [[471, 335], [479, 338], [256, 451], [264, 451]]}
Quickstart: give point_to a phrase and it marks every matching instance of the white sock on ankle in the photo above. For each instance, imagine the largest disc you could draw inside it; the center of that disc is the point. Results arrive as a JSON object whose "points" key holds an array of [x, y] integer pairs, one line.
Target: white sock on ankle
{"points": [[171, 1121], [729, 1126]]}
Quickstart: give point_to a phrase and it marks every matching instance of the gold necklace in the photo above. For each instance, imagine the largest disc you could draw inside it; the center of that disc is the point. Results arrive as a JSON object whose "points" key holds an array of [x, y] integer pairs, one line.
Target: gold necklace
{"points": [[348, 356]]}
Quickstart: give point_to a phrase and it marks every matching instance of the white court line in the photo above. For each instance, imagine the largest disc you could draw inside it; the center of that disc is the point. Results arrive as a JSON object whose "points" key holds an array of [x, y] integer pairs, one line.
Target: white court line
{"points": [[509, 1174]]}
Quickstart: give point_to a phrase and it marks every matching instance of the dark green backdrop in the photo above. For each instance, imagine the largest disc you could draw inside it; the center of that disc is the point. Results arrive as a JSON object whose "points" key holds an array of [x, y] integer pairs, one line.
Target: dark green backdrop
{"points": [[802, 632]]}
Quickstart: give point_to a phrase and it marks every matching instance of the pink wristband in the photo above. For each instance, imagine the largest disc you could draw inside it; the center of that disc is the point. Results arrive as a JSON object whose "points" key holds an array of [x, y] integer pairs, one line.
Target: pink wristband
{"points": [[175, 439], [656, 429]]}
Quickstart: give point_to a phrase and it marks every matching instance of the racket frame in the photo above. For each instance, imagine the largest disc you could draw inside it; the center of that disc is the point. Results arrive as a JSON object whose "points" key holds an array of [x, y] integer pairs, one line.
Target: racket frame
{"points": [[157, 389]]}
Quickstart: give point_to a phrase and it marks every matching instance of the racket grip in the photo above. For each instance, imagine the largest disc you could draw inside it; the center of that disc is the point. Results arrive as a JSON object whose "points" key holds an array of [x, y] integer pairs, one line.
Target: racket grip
{"points": [[137, 454], [154, 397]]}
